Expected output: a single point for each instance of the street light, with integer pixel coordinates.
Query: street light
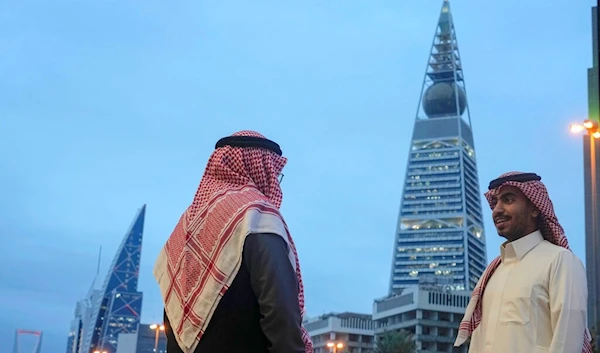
(588, 125)
(335, 346)
(100, 352)
(591, 127)
(156, 328)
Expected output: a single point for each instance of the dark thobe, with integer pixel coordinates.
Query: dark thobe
(259, 313)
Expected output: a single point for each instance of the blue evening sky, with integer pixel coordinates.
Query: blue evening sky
(106, 105)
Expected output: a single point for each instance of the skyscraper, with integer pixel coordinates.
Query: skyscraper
(592, 194)
(116, 307)
(440, 234)
(81, 322)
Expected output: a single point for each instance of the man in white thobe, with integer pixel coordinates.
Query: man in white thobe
(533, 297)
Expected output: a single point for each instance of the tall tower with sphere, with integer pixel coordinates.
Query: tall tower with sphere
(440, 237)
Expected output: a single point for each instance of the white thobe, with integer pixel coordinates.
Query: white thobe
(536, 301)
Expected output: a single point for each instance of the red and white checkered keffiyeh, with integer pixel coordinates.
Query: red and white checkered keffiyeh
(239, 194)
(551, 230)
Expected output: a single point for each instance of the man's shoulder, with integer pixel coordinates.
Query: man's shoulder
(558, 254)
(549, 247)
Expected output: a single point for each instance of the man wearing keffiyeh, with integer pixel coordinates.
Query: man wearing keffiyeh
(533, 297)
(229, 273)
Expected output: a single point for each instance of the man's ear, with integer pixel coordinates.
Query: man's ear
(535, 212)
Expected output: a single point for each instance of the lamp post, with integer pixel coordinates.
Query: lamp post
(592, 251)
(156, 328)
(335, 346)
(591, 127)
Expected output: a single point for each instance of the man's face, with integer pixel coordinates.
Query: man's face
(513, 214)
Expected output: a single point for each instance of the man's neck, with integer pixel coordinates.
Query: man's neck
(516, 249)
(526, 233)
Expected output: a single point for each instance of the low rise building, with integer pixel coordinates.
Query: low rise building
(353, 332)
(148, 339)
(431, 313)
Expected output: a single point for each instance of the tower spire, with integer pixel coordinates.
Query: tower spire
(99, 260)
(443, 93)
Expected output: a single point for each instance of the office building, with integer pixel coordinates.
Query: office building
(591, 182)
(148, 339)
(432, 314)
(353, 332)
(440, 233)
(116, 307)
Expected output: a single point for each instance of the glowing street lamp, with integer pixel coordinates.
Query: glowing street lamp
(157, 328)
(335, 346)
(591, 127)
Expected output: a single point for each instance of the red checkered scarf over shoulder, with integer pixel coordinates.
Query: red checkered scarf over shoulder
(551, 230)
(239, 194)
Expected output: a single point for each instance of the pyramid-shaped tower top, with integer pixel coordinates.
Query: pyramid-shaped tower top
(124, 270)
(444, 93)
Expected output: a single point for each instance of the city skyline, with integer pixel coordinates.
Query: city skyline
(100, 119)
(440, 235)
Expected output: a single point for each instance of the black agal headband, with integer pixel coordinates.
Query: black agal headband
(519, 178)
(249, 141)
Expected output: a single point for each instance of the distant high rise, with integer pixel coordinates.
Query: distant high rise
(81, 322)
(38, 343)
(440, 234)
(116, 307)
(591, 169)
